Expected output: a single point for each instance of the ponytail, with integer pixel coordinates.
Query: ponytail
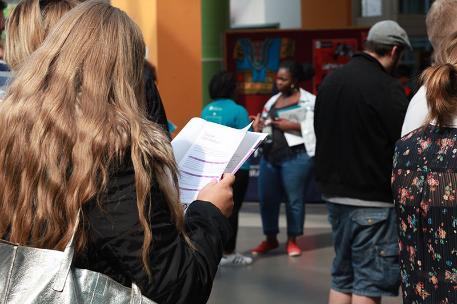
(440, 81)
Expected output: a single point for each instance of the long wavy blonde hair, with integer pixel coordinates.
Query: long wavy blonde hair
(73, 112)
(29, 24)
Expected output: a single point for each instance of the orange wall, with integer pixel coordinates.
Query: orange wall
(319, 14)
(144, 13)
(173, 35)
(179, 40)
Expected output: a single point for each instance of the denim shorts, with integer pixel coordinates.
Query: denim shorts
(366, 259)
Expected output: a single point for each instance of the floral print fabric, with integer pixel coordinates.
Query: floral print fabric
(424, 183)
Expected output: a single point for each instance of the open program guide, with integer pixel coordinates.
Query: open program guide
(205, 151)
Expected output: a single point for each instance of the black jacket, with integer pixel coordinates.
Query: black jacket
(154, 106)
(359, 113)
(179, 274)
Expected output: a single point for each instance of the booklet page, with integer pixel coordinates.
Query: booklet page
(207, 156)
(249, 144)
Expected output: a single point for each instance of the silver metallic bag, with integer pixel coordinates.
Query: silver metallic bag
(31, 275)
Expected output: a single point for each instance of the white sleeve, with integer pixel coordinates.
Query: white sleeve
(307, 125)
(417, 112)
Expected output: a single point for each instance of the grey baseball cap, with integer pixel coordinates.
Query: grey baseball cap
(388, 32)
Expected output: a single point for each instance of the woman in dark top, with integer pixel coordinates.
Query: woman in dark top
(424, 185)
(75, 136)
(286, 163)
(225, 111)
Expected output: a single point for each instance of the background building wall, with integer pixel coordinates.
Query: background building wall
(285, 12)
(215, 21)
(316, 15)
(260, 12)
(144, 13)
(179, 42)
(172, 31)
(247, 12)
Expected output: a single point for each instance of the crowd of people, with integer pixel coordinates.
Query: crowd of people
(390, 200)
(86, 159)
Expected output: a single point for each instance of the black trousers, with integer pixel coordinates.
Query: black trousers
(239, 191)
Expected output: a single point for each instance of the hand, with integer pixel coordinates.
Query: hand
(220, 194)
(257, 123)
(286, 125)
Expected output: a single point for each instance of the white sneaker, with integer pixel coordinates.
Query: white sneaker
(235, 259)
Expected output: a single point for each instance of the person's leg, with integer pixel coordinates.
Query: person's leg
(339, 217)
(365, 300)
(239, 190)
(232, 258)
(270, 195)
(336, 297)
(294, 174)
(375, 255)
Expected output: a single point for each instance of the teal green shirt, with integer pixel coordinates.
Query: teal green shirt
(228, 113)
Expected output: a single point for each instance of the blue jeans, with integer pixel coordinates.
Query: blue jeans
(285, 181)
(366, 259)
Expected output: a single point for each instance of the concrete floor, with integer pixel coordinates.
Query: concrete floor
(275, 277)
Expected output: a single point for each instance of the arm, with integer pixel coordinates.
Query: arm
(286, 125)
(392, 113)
(180, 274)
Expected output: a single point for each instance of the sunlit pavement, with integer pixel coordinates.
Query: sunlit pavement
(275, 277)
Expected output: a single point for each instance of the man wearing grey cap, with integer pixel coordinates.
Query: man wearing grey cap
(358, 117)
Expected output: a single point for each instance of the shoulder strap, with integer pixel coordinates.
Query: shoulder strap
(67, 260)
(136, 297)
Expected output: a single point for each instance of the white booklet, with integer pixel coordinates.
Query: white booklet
(296, 114)
(205, 151)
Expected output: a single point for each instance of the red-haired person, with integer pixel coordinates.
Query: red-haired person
(424, 184)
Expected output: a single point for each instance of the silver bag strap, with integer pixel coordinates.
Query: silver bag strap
(67, 260)
(136, 297)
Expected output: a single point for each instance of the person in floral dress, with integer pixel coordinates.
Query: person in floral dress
(424, 183)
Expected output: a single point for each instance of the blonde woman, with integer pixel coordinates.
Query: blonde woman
(75, 137)
(29, 24)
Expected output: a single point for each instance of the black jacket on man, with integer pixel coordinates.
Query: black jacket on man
(359, 113)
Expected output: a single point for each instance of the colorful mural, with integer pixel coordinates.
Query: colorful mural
(257, 62)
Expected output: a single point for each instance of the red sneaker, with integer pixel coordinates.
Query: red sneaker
(264, 247)
(292, 249)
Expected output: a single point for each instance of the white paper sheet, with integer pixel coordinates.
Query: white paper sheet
(205, 150)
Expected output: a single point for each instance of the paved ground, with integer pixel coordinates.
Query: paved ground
(276, 278)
